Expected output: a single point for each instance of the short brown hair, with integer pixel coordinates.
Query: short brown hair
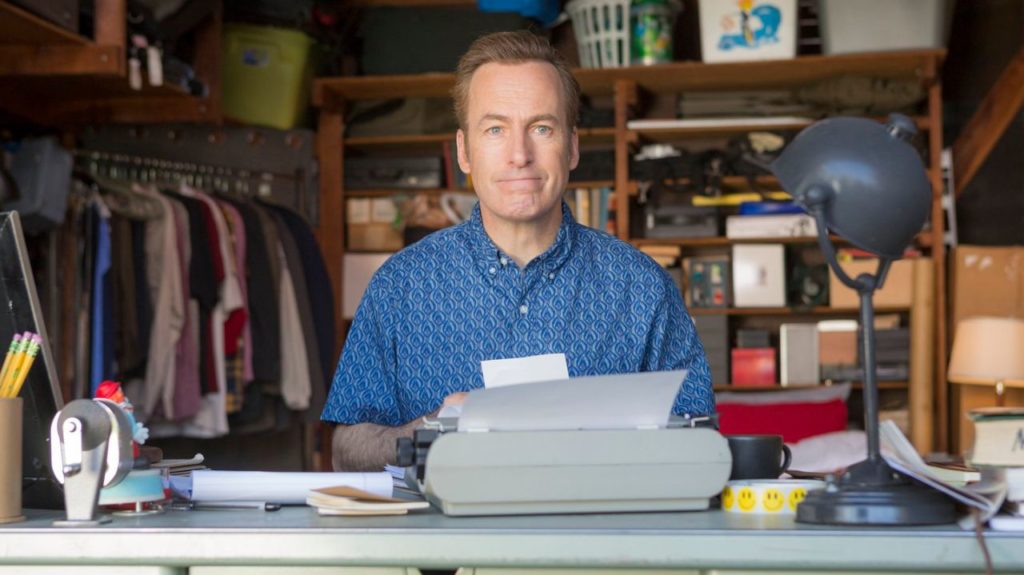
(513, 48)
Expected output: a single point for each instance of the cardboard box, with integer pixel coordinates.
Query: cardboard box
(898, 290)
(986, 281)
(371, 225)
(766, 31)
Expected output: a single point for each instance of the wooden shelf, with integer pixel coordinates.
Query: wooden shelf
(591, 184)
(388, 192)
(671, 77)
(718, 241)
(672, 134)
(922, 239)
(819, 310)
(628, 86)
(587, 136)
(51, 76)
(856, 385)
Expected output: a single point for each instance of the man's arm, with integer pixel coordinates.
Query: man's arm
(368, 446)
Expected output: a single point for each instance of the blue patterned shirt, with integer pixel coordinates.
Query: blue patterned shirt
(438, 308)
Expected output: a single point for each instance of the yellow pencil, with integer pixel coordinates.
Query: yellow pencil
(7, 362)
(19, 356)
(22, 373)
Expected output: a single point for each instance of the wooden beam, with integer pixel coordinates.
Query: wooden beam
(208, 59)
(984, 129)
(330, 230)
(61, 60)
(110, 23)
(137, 110)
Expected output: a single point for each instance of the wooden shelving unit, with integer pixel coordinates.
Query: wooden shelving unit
(819, 310)
(756, 388)
(53, 77)
(927, 386)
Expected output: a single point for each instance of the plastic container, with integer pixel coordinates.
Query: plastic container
(651, 23)
(876, 25)
(602, 32)
(42, 169)
(267, 75)
(765, 31)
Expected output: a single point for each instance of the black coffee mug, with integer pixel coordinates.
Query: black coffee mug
(758, 456)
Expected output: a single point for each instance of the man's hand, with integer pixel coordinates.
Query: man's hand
(457, 398)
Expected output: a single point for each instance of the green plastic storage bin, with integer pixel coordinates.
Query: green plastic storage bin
(267, 75)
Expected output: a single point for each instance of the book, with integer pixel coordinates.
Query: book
(998, 436)
(345, 500)
(954, 473)
(986, 496)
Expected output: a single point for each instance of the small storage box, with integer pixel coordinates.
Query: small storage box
(875, 25)
(267, 75)
(766, 32)
(393, 173)
(759, 275)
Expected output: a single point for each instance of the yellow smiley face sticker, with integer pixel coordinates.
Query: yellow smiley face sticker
(727, 498)
(773, 500)
(746, 499)
(796, 496)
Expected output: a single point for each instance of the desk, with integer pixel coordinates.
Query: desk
(175, 541)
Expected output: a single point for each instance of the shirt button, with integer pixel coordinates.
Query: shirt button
(492, 270)
(504, 261)
(551, 276)
(523, 309)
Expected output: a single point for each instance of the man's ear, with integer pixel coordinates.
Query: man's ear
(574, 150)
(463, 150)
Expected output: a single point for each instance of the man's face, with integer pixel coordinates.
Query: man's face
(517, 143)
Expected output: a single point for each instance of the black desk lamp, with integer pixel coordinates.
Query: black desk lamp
(865, 182)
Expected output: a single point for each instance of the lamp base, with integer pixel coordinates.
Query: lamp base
(871, 493)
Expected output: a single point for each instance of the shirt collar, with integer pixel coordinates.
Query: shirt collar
(485, 253)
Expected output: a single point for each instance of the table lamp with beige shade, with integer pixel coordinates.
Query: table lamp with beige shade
(988, 351)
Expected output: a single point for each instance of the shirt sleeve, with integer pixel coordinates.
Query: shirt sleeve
(363, 389)
(673, 344)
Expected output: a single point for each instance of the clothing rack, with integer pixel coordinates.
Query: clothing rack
(144, 169)
(261, 162)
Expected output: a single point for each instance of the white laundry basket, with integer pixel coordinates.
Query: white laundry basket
(602, 32)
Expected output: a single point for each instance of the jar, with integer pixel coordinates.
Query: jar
(651, 23)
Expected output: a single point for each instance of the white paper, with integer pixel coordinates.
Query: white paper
(624, 401)
(502, 372)
(279, 486)
(986, 496)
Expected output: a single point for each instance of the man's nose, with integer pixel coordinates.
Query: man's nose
(521, 154)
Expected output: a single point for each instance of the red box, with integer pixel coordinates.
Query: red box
(753, 366)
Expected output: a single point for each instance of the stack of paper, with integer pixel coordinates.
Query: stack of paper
(344, 500)
(182, 466)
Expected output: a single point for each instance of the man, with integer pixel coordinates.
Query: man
(520, 278)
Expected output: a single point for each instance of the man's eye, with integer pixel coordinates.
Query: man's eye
(493, 130)
(544, 130)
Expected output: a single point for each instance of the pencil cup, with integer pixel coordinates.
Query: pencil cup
(10, 460)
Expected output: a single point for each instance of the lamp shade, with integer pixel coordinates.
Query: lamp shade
(872, 184)
(987, 350)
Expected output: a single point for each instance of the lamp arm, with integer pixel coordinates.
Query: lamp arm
(861, 282)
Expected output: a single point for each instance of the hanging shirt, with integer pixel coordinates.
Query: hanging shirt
(435, 310)
(101, 366)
